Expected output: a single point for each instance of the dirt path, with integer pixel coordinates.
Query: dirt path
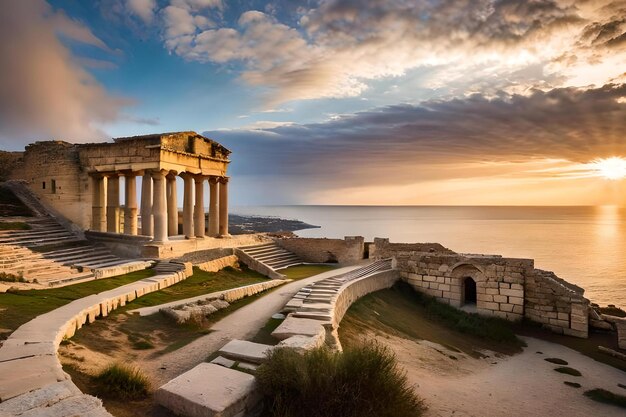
(517, 386)
(241, 324)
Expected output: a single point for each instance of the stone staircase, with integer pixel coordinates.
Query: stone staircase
(272, 255)
(49, 254)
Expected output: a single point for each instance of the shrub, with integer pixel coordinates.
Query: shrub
(359, 382)
(6, 277)
(567, 370)
(122, 382)
(607, 397)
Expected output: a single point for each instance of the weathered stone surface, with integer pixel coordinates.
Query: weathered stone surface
(293, 326)
(222, 361)
(43, 397)
(246, 351)
(209, 390)
(302, 343)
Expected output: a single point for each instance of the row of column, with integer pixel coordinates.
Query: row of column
(159, 208)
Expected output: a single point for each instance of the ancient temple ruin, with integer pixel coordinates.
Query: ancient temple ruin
(84, 183)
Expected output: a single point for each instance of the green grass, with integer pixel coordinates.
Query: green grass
(572, 384)
(361, 381)
(264, 335)
(199, 283)
(403, 312)
(607, 397)
(14, 226)
(568, 371)
(122, 382)
(305, 271)
(557, 361)
(19, 307)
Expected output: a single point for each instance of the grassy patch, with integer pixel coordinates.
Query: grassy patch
(122, 382)
(603, 396)
(199, 283)
(403, 312)
(6, 277)
(14, 226)
(556, 361)
(19, 307)
(264, 335)
(305, 271)
(572, 384)
(361, 381)
(568, 371)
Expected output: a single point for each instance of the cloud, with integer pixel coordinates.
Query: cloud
(44, 91)
(436, 140)
(338, 46)
(143, 8)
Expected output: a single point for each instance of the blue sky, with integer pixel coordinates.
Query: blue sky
(337, 101)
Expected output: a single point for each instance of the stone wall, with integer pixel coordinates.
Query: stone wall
(508, 288)
(349, 250)
(557, 304)
(52, 171)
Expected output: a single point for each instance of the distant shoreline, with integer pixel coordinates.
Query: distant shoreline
(246, 224)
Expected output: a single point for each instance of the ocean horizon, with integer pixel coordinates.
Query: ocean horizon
(585, 245)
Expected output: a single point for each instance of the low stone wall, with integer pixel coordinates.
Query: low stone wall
(207, 255)
(509, 288)
(347, 251)
(178, 248)
(218, 264)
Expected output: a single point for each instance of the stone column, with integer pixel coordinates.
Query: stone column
(147, 224)
(159, 207)
(172, 205)
(98, 209)
(214, 220)
(188, 206)
(113, 203)
(130, 209)
(224, 207)
(198, 210)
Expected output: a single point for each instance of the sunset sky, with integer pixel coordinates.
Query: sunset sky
(469, 102)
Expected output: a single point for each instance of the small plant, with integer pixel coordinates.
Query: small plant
(6, 277)
(362, 381)
(603, 396)
(567, 370)
(556, 361)
(572, 384)
(142, 345)
(123, 382)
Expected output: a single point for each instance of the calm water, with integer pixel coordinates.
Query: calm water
(584, 245)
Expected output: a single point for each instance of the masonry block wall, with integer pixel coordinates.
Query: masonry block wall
(508, 288)
(52, 171)
(349, 250)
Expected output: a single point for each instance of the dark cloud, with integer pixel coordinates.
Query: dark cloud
(402, 143)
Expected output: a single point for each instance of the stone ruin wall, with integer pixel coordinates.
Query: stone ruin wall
(70, 193)
(349, 250)
(508, 288)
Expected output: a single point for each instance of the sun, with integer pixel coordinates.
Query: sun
(610, 168)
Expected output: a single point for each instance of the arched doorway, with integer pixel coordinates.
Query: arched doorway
(469, 291)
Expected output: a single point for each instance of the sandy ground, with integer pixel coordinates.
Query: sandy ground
(501, 386)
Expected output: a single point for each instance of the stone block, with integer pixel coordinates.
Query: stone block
(430, 278)
(512, 293)
(489, 306)
(492, 291)
(517, 309)
(246, 351)
(500, 298)
(302, 343)
(43, 397)
(563, 316)
(209, 390)
(484, 297)
(516, 300)
(444, 287)
(506, 307)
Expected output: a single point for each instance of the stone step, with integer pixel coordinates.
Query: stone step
(273, 254)
(242, 350)
(73, 251)
(285, 264)
(76, 279)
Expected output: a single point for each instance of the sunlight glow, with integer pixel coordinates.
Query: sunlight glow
(610, 168)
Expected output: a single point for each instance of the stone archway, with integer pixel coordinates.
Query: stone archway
(468, 291)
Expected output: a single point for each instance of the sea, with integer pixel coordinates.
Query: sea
(583, 245)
